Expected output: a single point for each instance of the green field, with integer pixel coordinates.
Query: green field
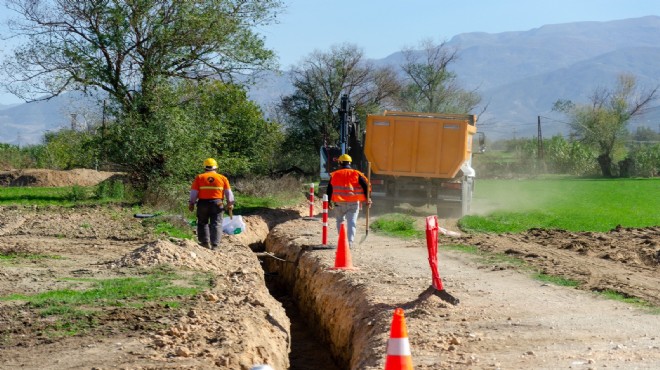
(563, 203)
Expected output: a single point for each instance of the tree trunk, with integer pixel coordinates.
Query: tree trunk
(605, 163)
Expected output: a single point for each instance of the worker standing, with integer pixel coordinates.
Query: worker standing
(346, 189)
(210, 190)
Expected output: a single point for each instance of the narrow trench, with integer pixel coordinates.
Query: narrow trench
(307, 350)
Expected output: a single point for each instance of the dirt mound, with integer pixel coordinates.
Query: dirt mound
(625, 260)
(54, 178)
(177, 253)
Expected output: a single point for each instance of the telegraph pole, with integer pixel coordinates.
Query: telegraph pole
(540, 140)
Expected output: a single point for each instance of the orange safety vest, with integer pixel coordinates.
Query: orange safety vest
(210, 185)
(346, 186)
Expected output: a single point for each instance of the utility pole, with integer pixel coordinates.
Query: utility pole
(74, 123)
(540, 140)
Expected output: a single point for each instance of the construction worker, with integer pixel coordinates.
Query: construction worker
(210, 190)
(346, 189)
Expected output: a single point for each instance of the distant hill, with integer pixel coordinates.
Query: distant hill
(519, 75)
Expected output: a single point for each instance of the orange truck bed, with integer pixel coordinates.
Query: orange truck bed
(428, 145)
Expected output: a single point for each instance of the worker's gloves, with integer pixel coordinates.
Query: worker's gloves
(230, 207)
(331, 205)
(369, 202)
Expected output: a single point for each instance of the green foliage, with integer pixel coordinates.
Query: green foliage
(568, 157)
(66, 150)
(113, 189)
(397, 224)
(567, 204)
(431, 85)
(190, 123)
(311, 111)
(519, 158)
(125, 48)
(11, 156)
(78, 193)
(602, 123)
(643, 159)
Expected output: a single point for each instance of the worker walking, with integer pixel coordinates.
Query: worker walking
(210, 190)
(346, 189)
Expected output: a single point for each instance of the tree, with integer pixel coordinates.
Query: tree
(430, 85)
(192, 121)
(126, 48)
(602, 124)
(319, 82)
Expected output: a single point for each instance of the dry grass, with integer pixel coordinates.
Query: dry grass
(261, 187)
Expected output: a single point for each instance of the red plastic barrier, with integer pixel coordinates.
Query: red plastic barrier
(432, 246)
(325, 220)
(311, 201)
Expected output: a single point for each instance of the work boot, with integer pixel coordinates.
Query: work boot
(204, 245)
(214, 246)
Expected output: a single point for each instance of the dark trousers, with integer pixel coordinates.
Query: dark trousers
(209, 221)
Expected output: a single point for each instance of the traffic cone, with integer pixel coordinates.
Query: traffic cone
(398, 347)
(343, 260)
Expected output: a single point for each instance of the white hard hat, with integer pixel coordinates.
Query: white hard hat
(261, 367)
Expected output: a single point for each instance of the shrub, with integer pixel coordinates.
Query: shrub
(113, 189)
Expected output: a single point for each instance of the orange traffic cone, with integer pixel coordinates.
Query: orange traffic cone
(343, 260)
(398, 347)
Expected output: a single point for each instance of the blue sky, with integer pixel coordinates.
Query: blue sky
(382, 27)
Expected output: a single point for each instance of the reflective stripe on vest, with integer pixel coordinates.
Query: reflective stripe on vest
(346, 186)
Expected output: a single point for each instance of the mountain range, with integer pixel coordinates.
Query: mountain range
(518, 74)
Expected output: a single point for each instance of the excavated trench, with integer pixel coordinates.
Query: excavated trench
(332, 322)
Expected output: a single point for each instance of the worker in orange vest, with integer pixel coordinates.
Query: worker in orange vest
(210, 190)
(346, 189)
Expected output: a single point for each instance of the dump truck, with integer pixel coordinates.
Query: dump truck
(420, 159)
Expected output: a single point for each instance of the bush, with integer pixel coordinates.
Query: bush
(77, 193)
(642, 161)
(113, 189)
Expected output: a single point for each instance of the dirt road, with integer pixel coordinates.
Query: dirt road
(504, 319)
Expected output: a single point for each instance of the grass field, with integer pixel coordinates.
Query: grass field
(563, 203)
(498, 205)
(62, 196)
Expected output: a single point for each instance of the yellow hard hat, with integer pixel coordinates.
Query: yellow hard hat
(345, 158)
(210, 162)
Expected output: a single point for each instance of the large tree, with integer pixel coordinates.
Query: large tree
(127, 47)
(311, 111)
(430, 85)
(603, 122)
